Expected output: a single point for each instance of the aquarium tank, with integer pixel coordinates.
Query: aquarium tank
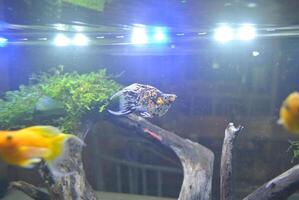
(149, 99)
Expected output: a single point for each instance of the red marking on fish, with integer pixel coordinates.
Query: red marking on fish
(153, 134)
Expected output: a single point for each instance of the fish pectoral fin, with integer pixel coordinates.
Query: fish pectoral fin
(30, 163)
(146, 115)
(121, 112)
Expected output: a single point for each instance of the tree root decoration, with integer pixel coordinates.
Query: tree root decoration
(231, 132)
(30, 190)
(74, 185)
(197, 160)
(279, 188)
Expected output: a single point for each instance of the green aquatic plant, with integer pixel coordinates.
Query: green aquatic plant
(79, 95)
(294, 148)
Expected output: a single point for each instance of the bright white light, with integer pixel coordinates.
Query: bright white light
(3, 41)
(255, 53)
(80, 40)
(139, 35)
(60, 27)
(246, 32)
(224, 34)
(78, 28)
(251, 5)
(61, 40)
(160, 34)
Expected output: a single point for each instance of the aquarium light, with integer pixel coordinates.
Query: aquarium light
(3, 41)
(42, 39)
(246, 32)
(78, 28)
(160, 35)
(61, 27)
(139, 35)
(61, 40)
(80, 40)
(255, 53)
(224, 33)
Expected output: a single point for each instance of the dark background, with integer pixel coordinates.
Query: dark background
(215, 84)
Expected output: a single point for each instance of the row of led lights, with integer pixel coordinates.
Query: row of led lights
(60, 40)
(144, 35)
(141, 35)
(78, 40)
(224, 33)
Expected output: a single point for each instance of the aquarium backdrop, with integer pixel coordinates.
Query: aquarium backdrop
(227, 61)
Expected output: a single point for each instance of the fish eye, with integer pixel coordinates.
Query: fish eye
(9, 137)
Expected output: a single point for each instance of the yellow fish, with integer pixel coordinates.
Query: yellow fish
(289, 113)
(27, 147)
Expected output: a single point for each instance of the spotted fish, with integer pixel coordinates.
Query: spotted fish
(146, 100)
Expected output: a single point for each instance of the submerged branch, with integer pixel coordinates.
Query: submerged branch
(30, 190)
(279, 188)
(86, 128)
(73, 185)
(231, 133)
(197, 160)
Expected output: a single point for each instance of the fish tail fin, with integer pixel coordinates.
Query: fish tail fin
(124, 106)
(119, 113)
(280, 121)
(59, 152)
(117, 94)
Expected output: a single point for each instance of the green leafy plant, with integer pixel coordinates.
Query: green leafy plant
(294, 148)
(79, 95)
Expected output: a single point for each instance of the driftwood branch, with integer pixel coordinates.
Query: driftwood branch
(197, 160)
(231, 133)
(73, 186)
(30, 190)
(279, 188)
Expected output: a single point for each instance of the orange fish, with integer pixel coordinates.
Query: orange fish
(27, 147)
(289, 113)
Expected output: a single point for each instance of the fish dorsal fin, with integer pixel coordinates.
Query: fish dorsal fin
(60, 152)
(46, 131)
